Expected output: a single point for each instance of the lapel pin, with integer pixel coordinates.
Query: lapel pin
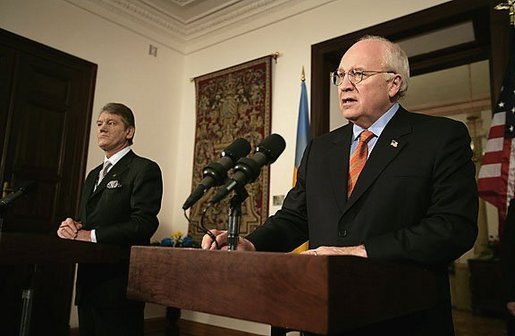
(394, 143)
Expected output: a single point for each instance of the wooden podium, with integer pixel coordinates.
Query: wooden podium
(22, 248)
(320, 294)
(36, 280)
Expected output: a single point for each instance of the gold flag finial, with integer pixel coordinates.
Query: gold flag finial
(510, 6)
(275, 55)
(303, 76)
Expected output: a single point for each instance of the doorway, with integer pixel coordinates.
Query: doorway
(46, 99)
(482, 47)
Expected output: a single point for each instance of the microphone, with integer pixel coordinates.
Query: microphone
(247, 169)
(215, 173)
(20, 191)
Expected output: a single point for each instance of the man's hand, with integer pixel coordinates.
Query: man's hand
(70, 229)
(359, 251)
(84, 235)
(221, 239)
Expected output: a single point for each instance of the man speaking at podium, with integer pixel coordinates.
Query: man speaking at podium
(120, 202)
(390, 185)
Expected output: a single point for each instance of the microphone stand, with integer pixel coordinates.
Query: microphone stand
(27, 294)
(234, 221)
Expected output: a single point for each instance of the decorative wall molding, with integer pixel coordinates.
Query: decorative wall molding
(213, 25)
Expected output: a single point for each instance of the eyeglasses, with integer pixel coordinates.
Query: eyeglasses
(355, 76)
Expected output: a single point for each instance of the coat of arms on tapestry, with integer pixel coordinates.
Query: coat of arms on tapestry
(230, 104)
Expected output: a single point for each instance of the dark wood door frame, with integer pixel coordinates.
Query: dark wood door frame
(46, 100)
(491, 29)
(78, 98)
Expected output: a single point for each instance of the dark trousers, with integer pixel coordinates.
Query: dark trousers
(126, 320)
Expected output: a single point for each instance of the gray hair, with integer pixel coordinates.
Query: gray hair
(395, 59)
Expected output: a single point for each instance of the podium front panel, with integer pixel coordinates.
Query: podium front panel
(320, 294)
(24, 248)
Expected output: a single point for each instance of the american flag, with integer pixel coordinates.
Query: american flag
(496, 181)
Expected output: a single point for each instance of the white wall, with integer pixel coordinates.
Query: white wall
(162, 96)
(126, 73)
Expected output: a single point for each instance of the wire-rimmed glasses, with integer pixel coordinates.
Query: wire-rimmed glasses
(355, 76)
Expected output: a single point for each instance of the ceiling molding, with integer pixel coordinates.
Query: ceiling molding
(198, 28)
(196, 9)
(182, 2)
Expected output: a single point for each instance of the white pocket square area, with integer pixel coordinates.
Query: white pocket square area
(114, 184)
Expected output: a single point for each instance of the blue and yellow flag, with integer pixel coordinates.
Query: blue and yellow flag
(302, 138)
(302, 126)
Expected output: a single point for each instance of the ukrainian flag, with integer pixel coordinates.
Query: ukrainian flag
(302, 126)
(302, 138)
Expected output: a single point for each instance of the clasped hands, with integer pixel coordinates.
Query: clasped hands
(246, 245)
(71, 229)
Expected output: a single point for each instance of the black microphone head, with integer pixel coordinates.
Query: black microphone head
(272, 147)
(238, 149)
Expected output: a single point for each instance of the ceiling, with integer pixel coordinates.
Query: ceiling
(190, 25)
(191, 11)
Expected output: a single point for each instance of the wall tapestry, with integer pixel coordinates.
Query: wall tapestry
(230, 104)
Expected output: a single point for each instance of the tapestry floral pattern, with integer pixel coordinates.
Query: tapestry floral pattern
(230, 104)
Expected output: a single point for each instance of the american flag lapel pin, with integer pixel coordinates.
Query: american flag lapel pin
(394, 143)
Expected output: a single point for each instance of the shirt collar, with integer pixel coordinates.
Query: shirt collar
(378, 127)
(117, 157)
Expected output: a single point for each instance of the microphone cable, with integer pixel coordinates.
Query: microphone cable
(201, 225)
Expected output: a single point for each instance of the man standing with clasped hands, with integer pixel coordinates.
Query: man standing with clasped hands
(120, 202)
(390, 185)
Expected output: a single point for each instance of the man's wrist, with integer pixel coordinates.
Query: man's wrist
(363, 250)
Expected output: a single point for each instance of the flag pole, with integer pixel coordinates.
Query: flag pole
(303, 133)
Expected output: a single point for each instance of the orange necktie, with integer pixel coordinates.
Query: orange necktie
(358, 159)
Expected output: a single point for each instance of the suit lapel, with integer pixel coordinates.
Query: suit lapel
(118, 169)
(90, 182)
(388, 146)
(338, 163)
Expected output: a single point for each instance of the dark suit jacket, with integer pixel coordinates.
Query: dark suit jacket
(123, 211)
(415, 201)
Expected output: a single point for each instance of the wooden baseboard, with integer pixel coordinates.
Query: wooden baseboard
(157, 326)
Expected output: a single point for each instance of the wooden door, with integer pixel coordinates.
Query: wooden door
(45, 115)
(491, 41)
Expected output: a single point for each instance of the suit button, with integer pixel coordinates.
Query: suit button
(342, 233)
